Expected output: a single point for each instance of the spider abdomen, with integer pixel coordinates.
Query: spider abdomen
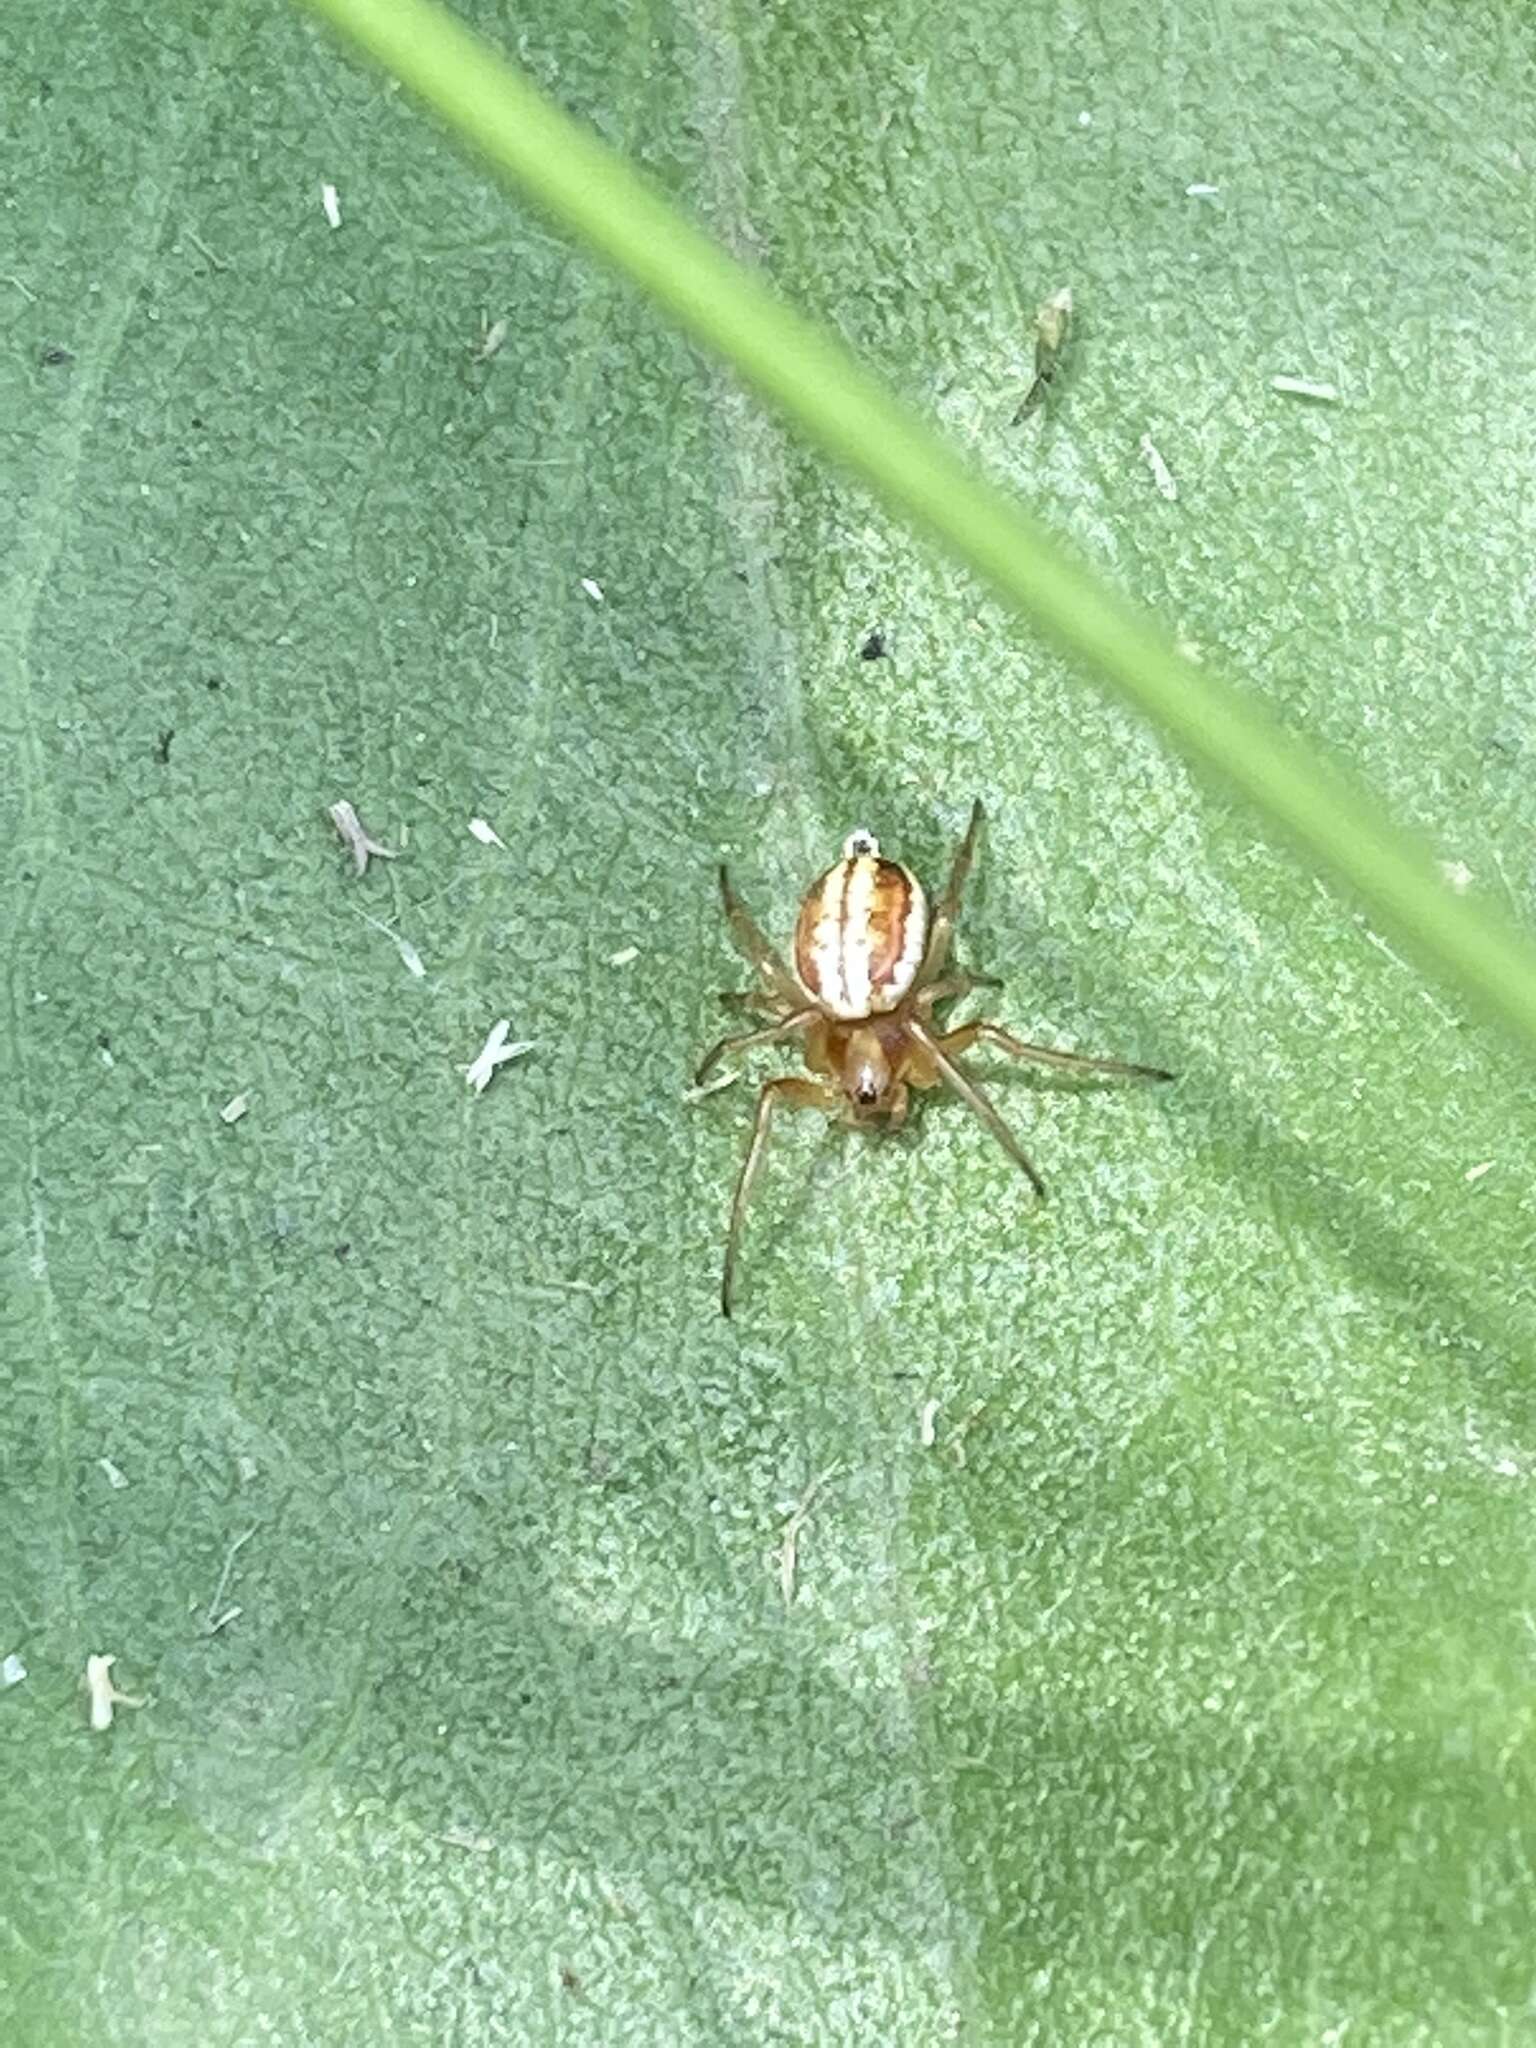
(861, 932)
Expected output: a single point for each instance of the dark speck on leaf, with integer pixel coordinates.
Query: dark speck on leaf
(873, 647)
(163, 746)
(54, 357)
(103, 1039)
(343, 1250)
(570, 1980)
(215, 682)
(198, 424)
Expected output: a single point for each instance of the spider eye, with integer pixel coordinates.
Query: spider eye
(860, 842)
(866, 1090)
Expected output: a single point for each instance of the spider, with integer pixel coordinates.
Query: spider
(870, 965)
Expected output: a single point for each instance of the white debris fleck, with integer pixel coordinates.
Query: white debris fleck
(495, 1053)
(1201, 191)
(1475, 1173)
(1457, 874)
(486, 833)
(235, 1108)
(1304, 387)
(925, 1423)
(104, 1694)
(466, 1838)
(403, 947)
(12, 1671)
(789, 1543)
(116, 1477)
(351, 828)
(624, 957)
(213, 1621)
(490, 341)
(963, 1428)
(106, 1056)
(331, 201)
(1162, 475)
(593, 588)
(1085, 119)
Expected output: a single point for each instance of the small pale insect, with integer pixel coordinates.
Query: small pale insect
(1052, 324)
(871, 964)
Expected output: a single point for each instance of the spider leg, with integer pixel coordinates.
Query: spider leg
(1046, 1056)
(955, 985)
(974, 1099)
(947, 910)
(739, 1041)
(794, 1094)
(751, 1002)
(748, 936)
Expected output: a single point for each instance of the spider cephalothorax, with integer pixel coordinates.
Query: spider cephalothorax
(869, 967)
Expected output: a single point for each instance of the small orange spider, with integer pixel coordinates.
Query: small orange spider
(869, 968)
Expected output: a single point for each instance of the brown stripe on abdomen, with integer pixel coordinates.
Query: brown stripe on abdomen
(818, 960)
(860, 935)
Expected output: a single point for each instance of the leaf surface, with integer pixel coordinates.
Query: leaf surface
(1180, 1688)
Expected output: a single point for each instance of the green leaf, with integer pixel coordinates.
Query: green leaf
(595, 191)
(1181, 1686)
